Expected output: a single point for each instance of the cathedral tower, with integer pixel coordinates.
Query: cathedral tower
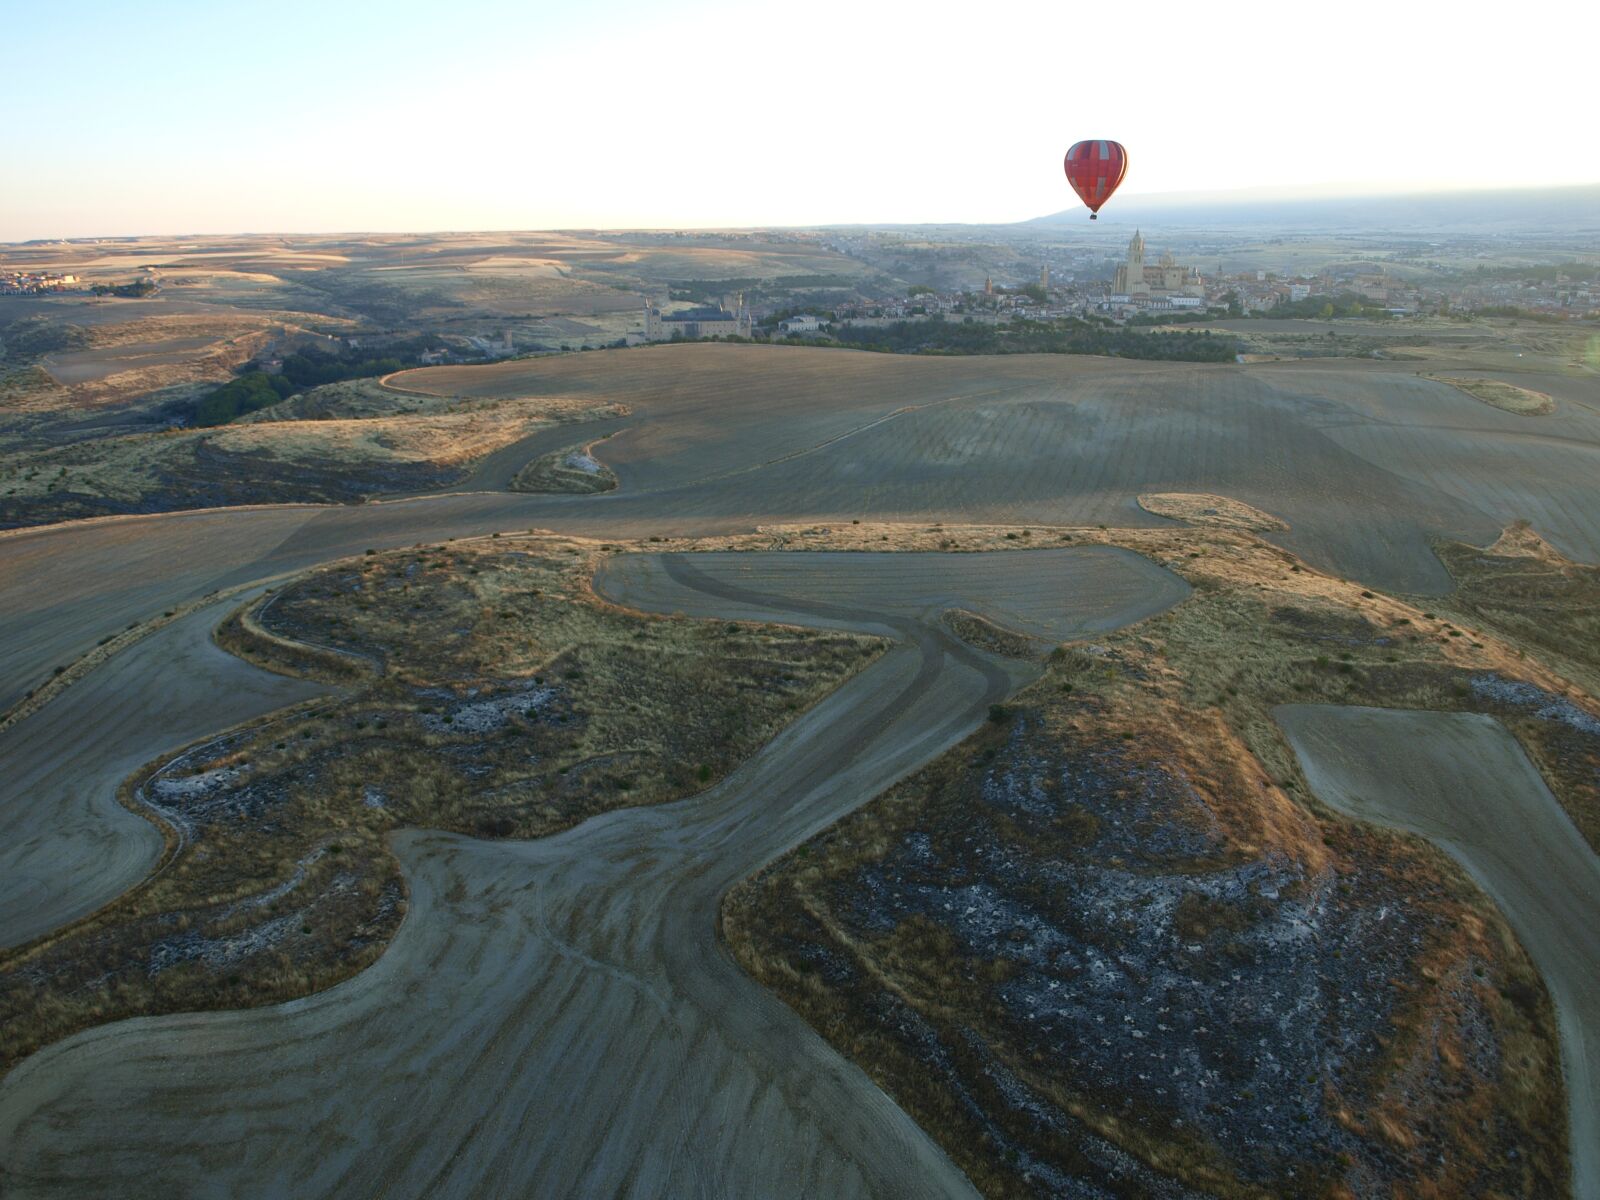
(1130, 275)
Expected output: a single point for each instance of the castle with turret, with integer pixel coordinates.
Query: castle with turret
(706, 321)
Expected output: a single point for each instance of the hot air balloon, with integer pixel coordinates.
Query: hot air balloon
(1094, 169)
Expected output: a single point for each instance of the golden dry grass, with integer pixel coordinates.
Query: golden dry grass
(1219, 512)
(1506, 396)
(387, 433)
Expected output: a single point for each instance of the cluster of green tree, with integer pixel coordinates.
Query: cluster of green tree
(310, 368)
(1070, 336)
(246, 394)
(1521, 314)
(1187, 316)
(1586, 272)
(255, 389)
(131, 291)
(1345, 304)
(702, 290)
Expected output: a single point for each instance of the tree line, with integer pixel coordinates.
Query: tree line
(255, 389)
(1070, 336)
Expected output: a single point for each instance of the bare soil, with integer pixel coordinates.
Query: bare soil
(488, 691)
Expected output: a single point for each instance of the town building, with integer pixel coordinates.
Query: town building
(802, 323)
(706, 321)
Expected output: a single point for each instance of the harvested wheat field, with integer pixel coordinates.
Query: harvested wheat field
(577, 921)
(1364, 466)
(876, 792)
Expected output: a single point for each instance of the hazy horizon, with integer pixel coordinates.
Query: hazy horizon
(1146, 205)
(178, 120)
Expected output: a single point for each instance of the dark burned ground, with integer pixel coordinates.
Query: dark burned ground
(489, 693)
(206, 476)
(1101, 950)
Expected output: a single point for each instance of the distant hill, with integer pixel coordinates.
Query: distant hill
(1549, 209)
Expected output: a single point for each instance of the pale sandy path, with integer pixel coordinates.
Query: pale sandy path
(1462, 781)
(557, 1017)
(67, 846)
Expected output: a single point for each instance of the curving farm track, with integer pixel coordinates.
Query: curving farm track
(536, 1020)
(69, 845)
(556, 1017)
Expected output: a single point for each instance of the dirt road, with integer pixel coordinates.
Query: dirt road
(66, 845)
(1461, 780)
(557, 1017)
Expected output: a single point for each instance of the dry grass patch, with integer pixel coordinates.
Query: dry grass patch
(390, 443)
(1528, 592)
(977, 630)
(1507, 396)
(1219, 512)
(445, 440)
(574, 469)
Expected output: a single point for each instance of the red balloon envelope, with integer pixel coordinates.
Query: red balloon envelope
(1094, 169)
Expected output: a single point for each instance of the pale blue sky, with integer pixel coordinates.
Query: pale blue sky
(168, 117)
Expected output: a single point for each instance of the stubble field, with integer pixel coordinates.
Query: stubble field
(984, 938)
